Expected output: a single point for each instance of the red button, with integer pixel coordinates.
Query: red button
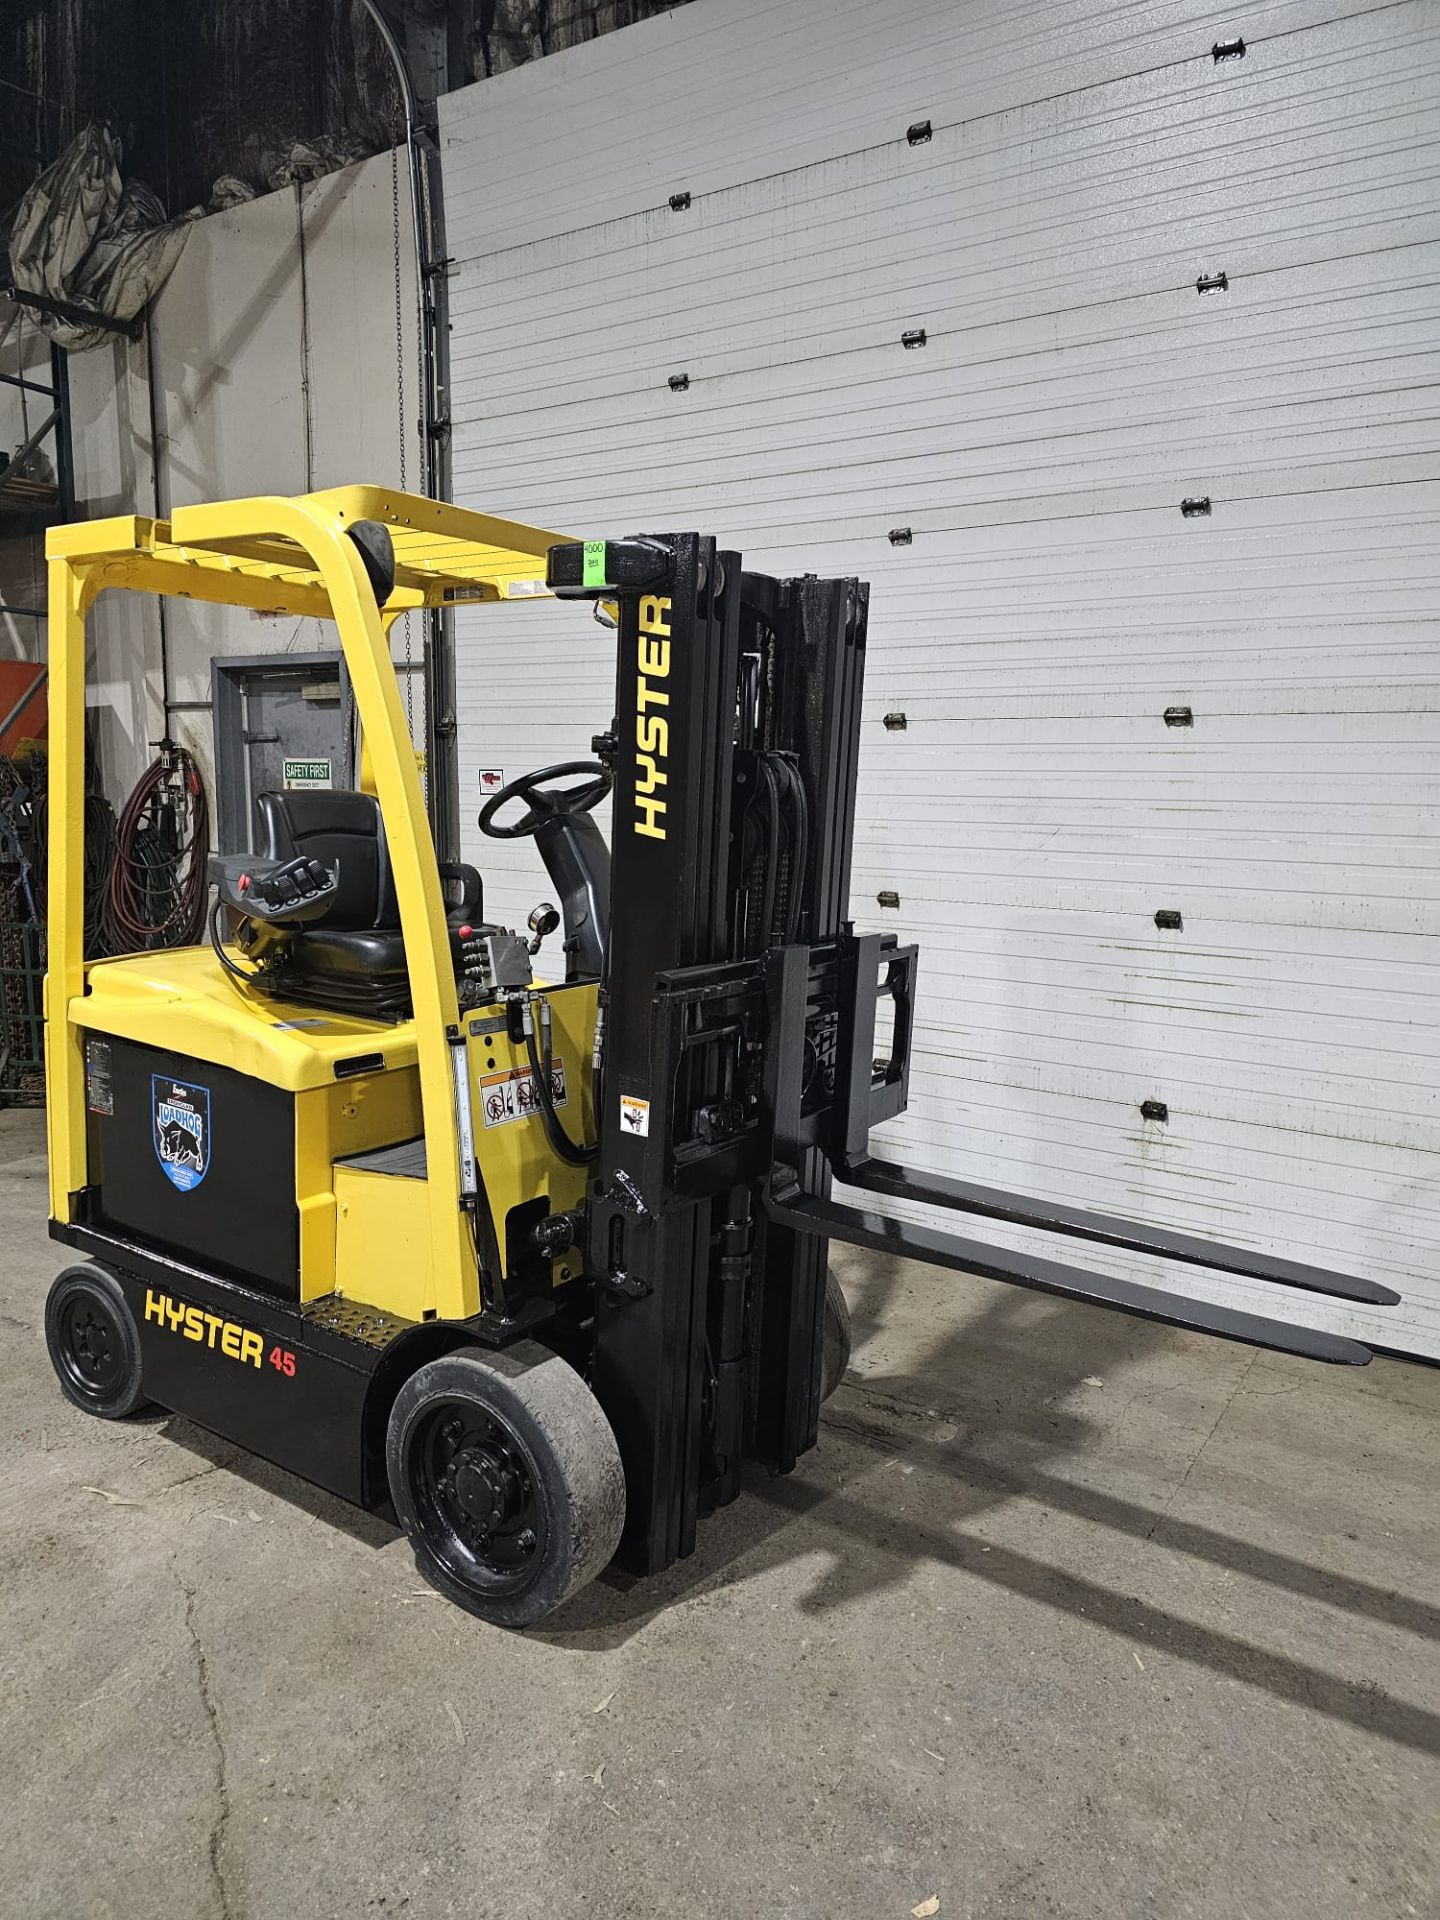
(244, 883)
(464, 932)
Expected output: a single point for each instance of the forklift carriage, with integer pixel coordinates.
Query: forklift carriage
(543, 1262)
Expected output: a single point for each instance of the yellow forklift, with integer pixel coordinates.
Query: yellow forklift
(537, 1257)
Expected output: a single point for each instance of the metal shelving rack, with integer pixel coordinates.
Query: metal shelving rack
(28, 505)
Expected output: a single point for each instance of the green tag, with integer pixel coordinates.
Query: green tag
(594, 573)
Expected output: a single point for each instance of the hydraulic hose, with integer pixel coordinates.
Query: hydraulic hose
(555, 1133)
(245, 975)
(158, 885)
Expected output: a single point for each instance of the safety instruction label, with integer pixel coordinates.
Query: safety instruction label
(511, 1095)
(306, 773)
(634, 1114)
(491, 779)
(99, 1089)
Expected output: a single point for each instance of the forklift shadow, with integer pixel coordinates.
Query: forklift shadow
(988, 1378)
(377, 1529)
(984, 1414)
(1002, 1381)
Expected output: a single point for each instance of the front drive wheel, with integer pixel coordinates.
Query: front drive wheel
(94, 1347)
(507, 1480)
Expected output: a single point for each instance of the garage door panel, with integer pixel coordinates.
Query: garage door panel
(776, 281)
(989, 480)
(773, 336)
(1007, 1138)
(1007, 1135)
(1033, 891)
(856, 543)
(973, 406)
(1184, 1057)
(1317, 318)
(1368, 886)
(993, 988)
(1319, 1109)
(1165, 449)
(932, 401)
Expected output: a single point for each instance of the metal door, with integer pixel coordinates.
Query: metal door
(281, 720)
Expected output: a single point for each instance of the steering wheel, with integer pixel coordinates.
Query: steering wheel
(544, 805)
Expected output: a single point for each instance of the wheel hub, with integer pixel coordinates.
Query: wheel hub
(94, 1357)
(485, 1489)
(483, 1493)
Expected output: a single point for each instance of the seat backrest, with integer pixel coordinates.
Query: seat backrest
(342, 830)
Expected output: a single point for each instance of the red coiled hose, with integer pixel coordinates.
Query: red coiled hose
(158, 885)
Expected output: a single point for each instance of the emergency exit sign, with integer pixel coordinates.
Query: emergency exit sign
(307, 773)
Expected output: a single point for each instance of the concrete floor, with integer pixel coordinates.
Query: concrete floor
(1066, 1616)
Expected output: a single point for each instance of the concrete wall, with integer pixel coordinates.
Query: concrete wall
(276, 367)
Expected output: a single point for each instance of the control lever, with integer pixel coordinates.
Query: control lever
(493, 960)
(278, 892)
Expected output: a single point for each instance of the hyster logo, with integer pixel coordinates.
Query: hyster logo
(235, 1342)
(652, 730)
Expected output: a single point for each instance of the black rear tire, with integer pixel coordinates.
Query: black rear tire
(507, 1480)
(94, 1344)
(835, 1342)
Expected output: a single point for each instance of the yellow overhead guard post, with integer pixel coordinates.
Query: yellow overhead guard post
(283, 555)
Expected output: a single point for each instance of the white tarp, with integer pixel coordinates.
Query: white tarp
(82, 234)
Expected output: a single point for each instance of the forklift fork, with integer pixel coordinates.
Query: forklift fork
(868, 1091)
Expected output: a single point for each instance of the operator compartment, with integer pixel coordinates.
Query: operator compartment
(298, 1168)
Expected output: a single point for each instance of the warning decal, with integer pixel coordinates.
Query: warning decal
(511, 1095)
(634, 1114)
(99, 1091)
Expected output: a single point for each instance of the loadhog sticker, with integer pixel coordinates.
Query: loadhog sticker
(511, 1095)
(180, 1130)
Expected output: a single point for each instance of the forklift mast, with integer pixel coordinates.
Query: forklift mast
(740, 1070)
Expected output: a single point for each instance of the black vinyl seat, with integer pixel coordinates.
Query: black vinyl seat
(354, 959)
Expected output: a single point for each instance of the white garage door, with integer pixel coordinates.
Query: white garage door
(1150, 517)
